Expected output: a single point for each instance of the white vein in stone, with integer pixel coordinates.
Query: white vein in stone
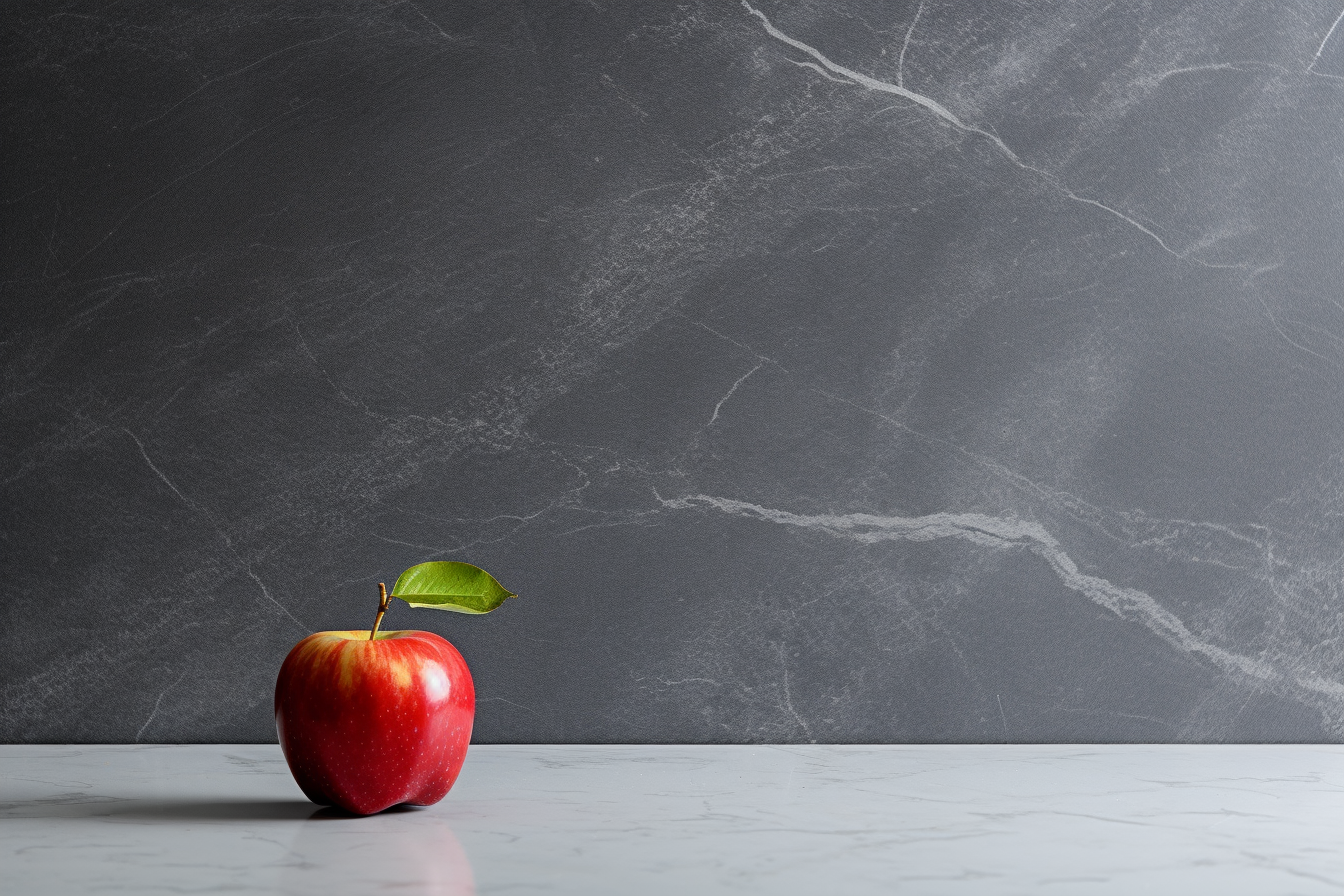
(998, 533)
(437, 27)
(883, 86)
(788, 695)
(905, 45)
(251, 65)
(266, 591)
(155, 711)
(219, 530)
(948, 116)
(1324, 686)
(1278, 328)
(177, 180)
(740, 380)
(1238, 65)
(1191, 69)
(157, 472)
(812, 66)
(1311, 67)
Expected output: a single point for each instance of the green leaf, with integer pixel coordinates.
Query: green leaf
(449, 585)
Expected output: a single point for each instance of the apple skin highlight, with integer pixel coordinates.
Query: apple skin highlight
(369, 724)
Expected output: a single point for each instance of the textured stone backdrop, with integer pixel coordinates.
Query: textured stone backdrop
(815, 371)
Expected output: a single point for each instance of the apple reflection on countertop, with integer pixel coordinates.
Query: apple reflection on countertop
(405, 850)
(689, 819)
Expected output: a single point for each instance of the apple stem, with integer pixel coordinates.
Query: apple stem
(383, 601)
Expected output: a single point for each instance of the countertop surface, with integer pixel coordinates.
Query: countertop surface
(689, 819)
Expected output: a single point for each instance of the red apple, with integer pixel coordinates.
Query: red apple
(367, 724)
(371, 720)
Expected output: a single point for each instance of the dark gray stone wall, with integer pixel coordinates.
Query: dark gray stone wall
(815, 371)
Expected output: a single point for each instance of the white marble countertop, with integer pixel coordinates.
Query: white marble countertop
(678, 820)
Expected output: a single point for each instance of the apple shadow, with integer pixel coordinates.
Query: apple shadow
(336, 813)
(220, 810)
(84, 806)
(76, 806)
